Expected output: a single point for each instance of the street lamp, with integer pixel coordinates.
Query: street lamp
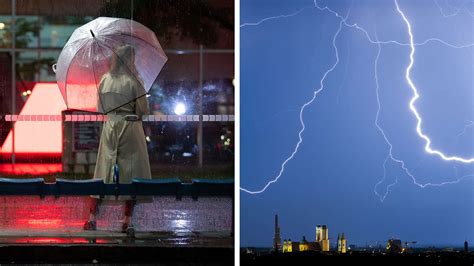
(180, 108)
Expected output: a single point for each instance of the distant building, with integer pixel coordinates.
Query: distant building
(309, 246)
(341, 244)
(290, 246)
(466, 246)
(321, 243)
(304, 245)
(322, 237)
(394, 246)
(276, 238)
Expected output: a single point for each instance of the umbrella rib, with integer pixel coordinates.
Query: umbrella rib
(125, 103)
(107, 36)
(135, 37)
(95, 79)
(68, 43)
(131, 72)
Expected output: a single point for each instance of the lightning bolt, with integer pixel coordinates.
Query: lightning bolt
(416, 96)
(390, 155)
(303, 107)
(272, 18)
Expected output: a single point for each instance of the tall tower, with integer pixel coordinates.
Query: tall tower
(319, 235)
(322, 236)
(276, 238)
(338, 243)
(341, 244)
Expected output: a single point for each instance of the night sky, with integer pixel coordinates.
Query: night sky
(332, 178)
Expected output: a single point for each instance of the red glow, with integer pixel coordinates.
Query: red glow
(31, 168)
(34, 137)
(51, 240)
(45, 215)
(44, 222)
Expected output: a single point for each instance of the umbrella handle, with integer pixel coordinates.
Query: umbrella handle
(116, 174)
(54, 67)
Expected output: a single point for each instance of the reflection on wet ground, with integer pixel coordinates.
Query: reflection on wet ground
(163, 221)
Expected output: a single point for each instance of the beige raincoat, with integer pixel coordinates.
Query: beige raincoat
(122, 142)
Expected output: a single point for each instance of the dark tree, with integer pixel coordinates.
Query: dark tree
(194, 19)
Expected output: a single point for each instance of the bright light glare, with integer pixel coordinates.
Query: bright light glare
(180, 109)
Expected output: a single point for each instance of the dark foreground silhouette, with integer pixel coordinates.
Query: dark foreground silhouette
(359, 258)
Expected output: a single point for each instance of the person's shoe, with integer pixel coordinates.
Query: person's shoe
(124, 227)
(90, 226)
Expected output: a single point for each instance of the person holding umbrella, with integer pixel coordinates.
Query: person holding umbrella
(122, 151)
(108, 66)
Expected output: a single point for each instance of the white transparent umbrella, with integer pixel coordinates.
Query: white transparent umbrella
(108, 47)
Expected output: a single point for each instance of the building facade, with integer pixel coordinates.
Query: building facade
(322, 237)
(341, 244)
(290, 246)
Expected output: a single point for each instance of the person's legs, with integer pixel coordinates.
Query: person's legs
(91, 222)
(129, 206)
(94, 208)
(127, 226)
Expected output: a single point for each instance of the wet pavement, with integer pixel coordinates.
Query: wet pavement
(162, 222)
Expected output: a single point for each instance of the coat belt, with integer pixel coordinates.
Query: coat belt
(124, 116)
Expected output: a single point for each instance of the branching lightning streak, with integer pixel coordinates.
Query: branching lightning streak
(415, 97)
(455, 13)
(412, 45)
(468, 125)
(382, 132)
(387, 189)
(272, 18)
(458, 10)
(390, 154)
(327, 9)
(303, 107)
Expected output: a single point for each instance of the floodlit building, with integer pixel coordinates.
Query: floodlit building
(322, 237)
(341, 244)
(290, 246)
(304, 245)
(320, 244)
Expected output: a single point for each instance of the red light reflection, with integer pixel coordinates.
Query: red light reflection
(58, 240)
(32, 214)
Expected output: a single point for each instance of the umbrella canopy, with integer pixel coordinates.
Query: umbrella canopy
(108, 47)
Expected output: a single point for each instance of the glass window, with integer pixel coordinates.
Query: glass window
(191, 102)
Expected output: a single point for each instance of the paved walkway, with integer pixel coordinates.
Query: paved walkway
(30, 216)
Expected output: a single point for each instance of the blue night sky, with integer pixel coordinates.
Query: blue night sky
(332, 178)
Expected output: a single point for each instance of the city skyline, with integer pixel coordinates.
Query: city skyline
(337, 141)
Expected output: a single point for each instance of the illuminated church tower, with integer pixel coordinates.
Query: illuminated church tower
(322, 237)
(276, 238)
(341, 244)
